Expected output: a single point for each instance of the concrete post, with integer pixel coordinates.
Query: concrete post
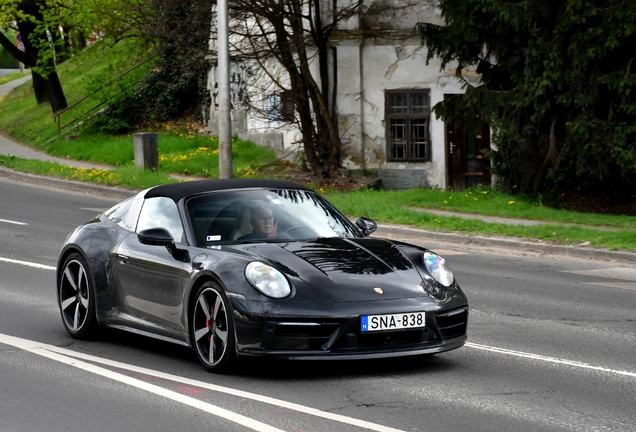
(146, 151)
(223, 79)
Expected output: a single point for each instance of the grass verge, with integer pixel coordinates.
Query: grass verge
(484, 201)
(180, 152)
(405, 208)
(126, 176)
(396, 207)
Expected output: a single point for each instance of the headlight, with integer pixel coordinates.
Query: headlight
(438, 268)
(267, 280)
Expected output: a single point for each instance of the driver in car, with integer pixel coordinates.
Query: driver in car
(264, 224)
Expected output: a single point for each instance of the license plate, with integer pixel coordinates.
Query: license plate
(369, 323)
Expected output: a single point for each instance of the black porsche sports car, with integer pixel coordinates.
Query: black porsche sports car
(240, 268)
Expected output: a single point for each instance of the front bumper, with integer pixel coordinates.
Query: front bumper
(337, 335)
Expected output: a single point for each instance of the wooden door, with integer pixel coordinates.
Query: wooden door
(466, 164)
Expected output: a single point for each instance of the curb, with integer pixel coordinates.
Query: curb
(478, 240)
(77, 186)
(509, 243)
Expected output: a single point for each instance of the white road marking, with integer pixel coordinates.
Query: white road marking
(69, 357)
(13, 222)
(27, 263)
(550, 359)
(42, 350)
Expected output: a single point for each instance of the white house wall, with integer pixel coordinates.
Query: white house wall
(365, 68)
(361, 110)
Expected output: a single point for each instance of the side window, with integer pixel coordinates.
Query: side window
(407, 121)
(117, 214)
(161, 213)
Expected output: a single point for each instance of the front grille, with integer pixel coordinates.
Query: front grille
(298, 335)
(453, 323)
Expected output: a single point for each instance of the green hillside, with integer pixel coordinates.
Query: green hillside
(86, 75)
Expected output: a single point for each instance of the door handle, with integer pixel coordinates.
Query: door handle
(123, 259)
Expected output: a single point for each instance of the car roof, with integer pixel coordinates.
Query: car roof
(176, 191)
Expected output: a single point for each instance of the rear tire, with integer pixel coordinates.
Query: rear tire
(212, 328)
(76, 299)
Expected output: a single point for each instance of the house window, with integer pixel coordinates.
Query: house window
(272, 108)
(408, 116)
(280, 107)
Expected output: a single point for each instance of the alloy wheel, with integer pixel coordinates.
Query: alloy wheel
(75, 297)
(212, 329)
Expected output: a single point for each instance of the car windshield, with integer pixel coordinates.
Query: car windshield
(258, 215)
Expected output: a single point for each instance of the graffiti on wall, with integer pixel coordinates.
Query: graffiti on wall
(238, 87)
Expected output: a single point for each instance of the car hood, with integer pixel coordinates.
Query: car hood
(346, 270)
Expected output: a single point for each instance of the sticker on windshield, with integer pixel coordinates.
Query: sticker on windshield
(213, 238)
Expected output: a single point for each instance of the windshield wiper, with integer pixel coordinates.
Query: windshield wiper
(268, 240)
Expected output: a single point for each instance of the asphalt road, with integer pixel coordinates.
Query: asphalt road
(552, 347)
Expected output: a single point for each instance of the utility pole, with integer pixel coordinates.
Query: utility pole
(223, 79)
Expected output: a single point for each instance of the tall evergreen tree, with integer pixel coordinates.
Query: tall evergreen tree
(557, 85)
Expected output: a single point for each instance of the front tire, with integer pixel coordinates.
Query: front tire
(212, 328)
(75, 298)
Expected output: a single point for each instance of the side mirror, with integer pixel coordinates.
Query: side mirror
(366, 225)
(157, 237)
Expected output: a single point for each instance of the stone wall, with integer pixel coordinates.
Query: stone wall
(403, 178)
